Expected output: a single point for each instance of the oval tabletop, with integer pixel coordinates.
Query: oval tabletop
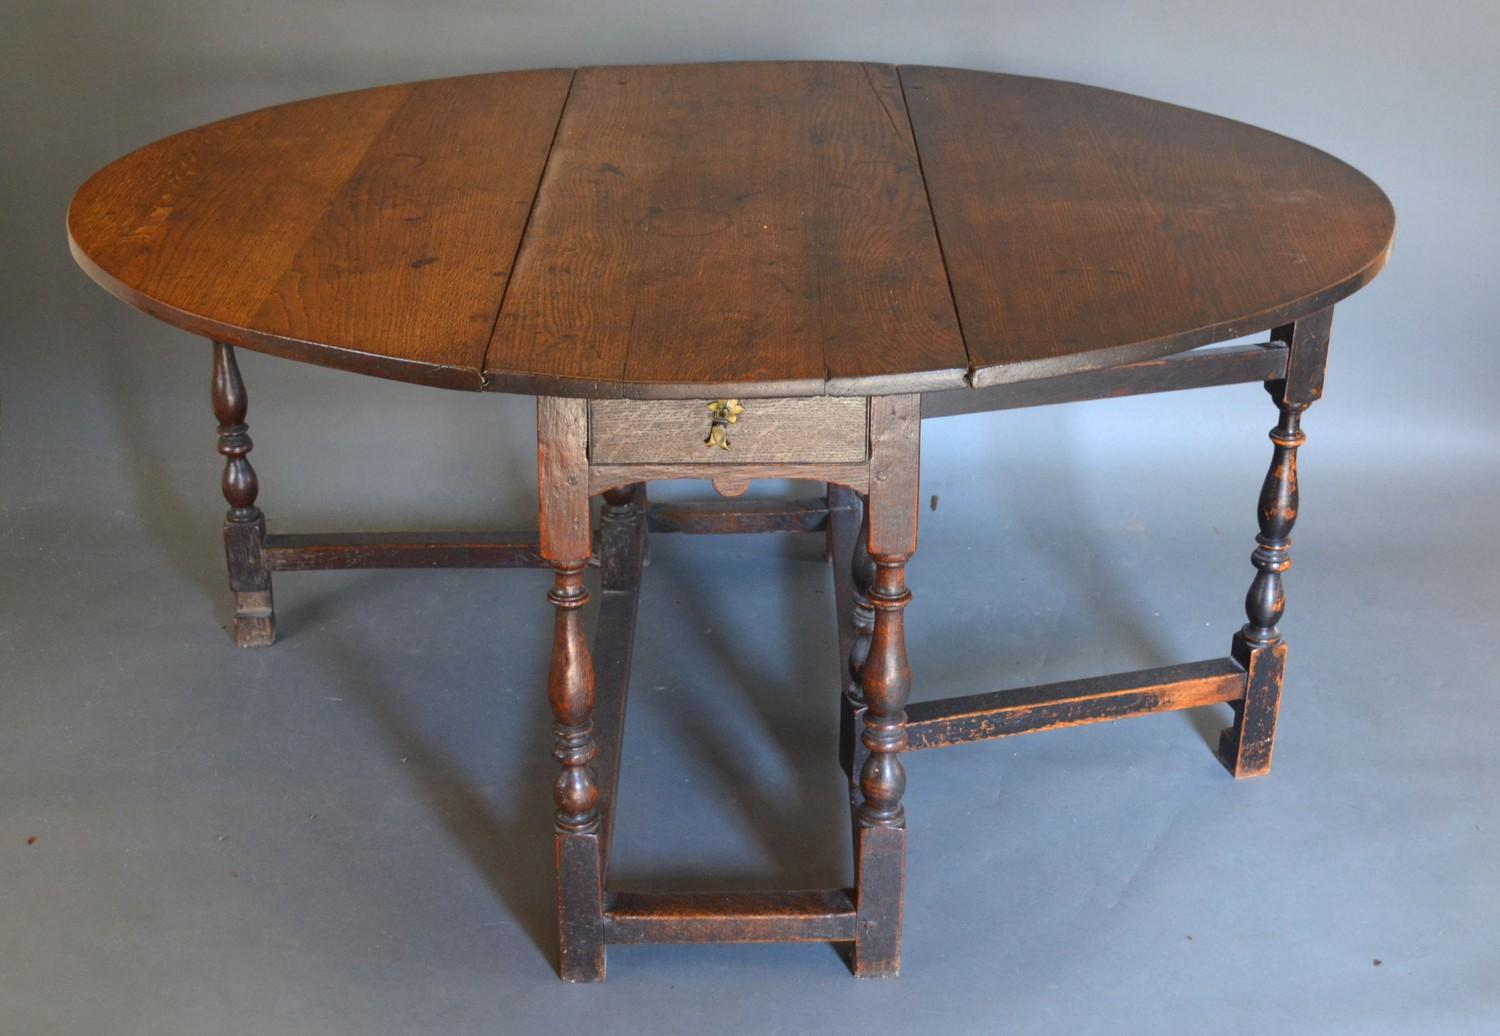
(799, 228)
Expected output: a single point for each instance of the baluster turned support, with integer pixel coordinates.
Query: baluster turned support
(570, 692)
(889, 534)
(1246, 747)
(885, 680)
(244, 524)
(562, 473)
(862, 619)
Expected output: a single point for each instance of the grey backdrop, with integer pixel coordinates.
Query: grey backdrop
(349, 832)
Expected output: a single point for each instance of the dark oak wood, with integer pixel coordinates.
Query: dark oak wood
(372, 231)
(570, 689)
(580, 906)
(860, 573)
(741, 230)
(563, 511)
(982, 717)
(1201, 368)
(602, 477)
(1084, 228)
(880, 890)
(752, 224)
(824, 429)
(244, 524)
(737, 517)
(853, 617)
(840, 249)
(622, 553)
(821, 915)
(884, 685)
(1307, 344)
(305, 552)
(1246, 747)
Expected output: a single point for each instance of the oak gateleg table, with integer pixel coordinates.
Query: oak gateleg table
(750, 271)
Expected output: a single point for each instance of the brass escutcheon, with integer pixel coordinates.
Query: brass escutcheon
(723, 413)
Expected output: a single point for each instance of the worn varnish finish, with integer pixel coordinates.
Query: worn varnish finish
(1085, 228)
(373, 231)
(1201, 368)
(562, 471)
(414, 252)
(884, 684)
(739, 224)
(622, 553)
(751, 230)
(826, 429)
(854, 474)
(1245, 748)
(981, 717)
(743, 517)
(820, 915)
(306, 552)
(849, 555)
(808, 239)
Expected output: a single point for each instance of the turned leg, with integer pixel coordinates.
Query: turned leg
(862, 620)
(880, 836)
(562, 470)
(244, 525)
(884, 683)
(575, 794)
(1245, 748)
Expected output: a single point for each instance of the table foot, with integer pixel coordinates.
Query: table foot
(880, 891)
(580, 906)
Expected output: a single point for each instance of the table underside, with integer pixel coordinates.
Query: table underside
(869, 516)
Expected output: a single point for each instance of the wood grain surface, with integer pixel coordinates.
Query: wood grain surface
(1084, 227)
(371, 231)
(717, 225)
(747, 229)
(672, 431)
(412, 257)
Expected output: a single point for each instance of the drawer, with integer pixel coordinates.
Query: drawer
(674, 431)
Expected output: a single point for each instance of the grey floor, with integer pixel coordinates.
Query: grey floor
(349, 832)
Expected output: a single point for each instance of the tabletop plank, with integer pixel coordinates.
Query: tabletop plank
(1084, 227)
(372, 230)
(203, 223)
(760, 228)
(411, 259)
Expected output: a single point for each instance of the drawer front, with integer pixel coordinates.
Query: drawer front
(676, 431)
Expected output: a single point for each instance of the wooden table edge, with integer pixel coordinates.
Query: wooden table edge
(1183, 341)
(392, 368)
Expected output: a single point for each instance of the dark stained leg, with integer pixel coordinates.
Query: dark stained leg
(880, 837)
(622, 547)
(564, 512)
(570, 691)
(244, 525)
(1245, 748)
(862, 620)
(885, 682)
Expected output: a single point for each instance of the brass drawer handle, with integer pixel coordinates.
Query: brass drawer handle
(723, 413)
